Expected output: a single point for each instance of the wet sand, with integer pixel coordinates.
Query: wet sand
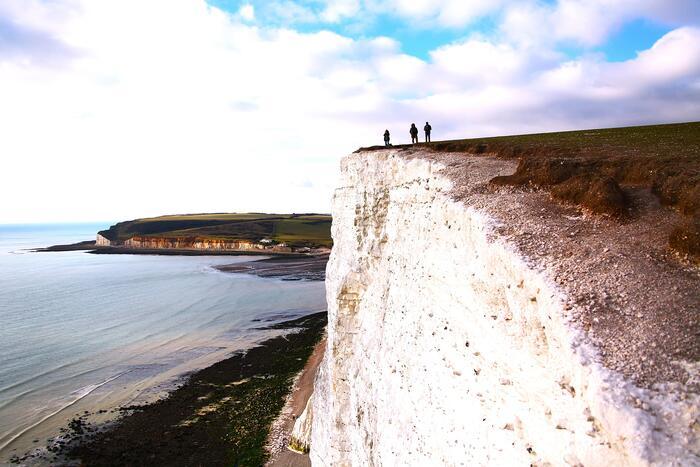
(38, 444)
(220, 416)
(307, 267)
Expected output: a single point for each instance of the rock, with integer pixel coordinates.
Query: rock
(301, 434)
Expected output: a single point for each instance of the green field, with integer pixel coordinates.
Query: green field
(296, 230)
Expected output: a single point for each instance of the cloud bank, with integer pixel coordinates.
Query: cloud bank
(114, 110)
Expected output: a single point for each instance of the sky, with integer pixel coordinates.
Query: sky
(117, 109)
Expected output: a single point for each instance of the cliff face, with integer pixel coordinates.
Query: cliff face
(446, 346)
(102, 241)
(197, 244)
(191, 243)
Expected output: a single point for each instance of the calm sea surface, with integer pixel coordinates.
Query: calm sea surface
(87, 332)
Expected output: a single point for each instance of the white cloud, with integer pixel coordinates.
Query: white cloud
(247, 12)
(289, 12)
(336, 10)
(671, 65)
(175, 106)
(431, 13)
(588, 22)
(479, 61)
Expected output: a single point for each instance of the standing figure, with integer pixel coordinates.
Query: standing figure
(427, 129)
(387, 137)
(414, 133)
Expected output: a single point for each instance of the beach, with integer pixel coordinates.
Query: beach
(219, 416)
(86, 335)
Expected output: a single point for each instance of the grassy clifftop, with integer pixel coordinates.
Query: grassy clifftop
(296, 230)
(595, 168)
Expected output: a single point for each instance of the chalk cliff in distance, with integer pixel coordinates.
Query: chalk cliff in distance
(231, 232)
(447, 345)
(192, 243)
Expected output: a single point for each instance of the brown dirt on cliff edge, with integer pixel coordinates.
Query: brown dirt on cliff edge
(595, 169)
(637, 301)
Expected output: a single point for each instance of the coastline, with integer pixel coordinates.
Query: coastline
(304, 267)
(216, 416)
(89, 246)
(117, 250)
(97, 404)
(281, 455)
(99, 411)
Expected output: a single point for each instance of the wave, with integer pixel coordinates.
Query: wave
(51, 371)
(80, 394)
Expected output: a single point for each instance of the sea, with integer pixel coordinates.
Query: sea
(83, 332)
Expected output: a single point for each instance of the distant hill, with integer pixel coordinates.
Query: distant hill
(295, 230)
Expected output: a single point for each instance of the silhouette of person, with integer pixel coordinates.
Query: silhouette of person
(387, 137)
(427, 129)
(414, 133)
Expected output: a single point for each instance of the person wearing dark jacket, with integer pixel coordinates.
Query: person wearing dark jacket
(414, 133)
(427, 129)
(387, 137)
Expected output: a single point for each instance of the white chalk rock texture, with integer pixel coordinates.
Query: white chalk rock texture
(445, 348)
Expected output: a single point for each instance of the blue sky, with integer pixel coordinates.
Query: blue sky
(624, 42)
(251, 104)
(632, 38)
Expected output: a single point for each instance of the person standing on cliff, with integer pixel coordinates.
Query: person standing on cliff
(414, 133)
(387, 137)
(427, 128)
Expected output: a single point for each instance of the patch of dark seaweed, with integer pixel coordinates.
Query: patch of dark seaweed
(220, 416)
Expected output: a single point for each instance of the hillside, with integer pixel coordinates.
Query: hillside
(295, 230)
(597, 169)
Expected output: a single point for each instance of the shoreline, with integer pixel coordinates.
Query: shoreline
(281, 455)
(85, 418)
(308, 267)
(100, 408)
(216, 416)
(90, 246)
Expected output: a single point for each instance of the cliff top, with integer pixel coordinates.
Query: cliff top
(596, 169)
(293, 229)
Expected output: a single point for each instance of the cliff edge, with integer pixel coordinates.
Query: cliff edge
(476, 324)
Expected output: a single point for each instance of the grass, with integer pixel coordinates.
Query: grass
(314, 230)
(296, 230)
(592, 168)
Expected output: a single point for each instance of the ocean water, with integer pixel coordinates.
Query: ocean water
(88, 332)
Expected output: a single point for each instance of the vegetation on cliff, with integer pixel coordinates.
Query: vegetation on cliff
(296, 230)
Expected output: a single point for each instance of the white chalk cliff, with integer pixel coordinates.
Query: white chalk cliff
(446, 347)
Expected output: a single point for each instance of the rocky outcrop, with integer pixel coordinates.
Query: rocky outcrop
(198, 243)
(301, 434)
(447, 347)
(193, 243)
(102, 241)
